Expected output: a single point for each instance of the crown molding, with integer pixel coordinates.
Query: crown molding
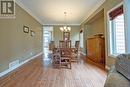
(28, 11)
(39, 20)
(61, 24)
(91, 11)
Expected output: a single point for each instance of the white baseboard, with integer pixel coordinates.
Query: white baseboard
(20, 64)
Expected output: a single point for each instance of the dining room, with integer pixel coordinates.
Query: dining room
(66, 41)
(78, 48)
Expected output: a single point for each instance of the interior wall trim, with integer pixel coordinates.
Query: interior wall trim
(20, 64)
(92, 10)
(28, 11)
(61, 24)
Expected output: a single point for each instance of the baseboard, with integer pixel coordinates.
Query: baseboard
(20, 64)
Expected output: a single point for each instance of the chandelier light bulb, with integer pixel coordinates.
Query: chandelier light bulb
(69, 28)
(61, 28)
(65, 28)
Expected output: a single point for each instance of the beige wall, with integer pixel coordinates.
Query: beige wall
(14, 43)
(95, 17)
(74, 34)
(95, 27)
(108, 4)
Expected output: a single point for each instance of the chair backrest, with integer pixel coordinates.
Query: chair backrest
(77, 44)
(51, 45)
(65, 44)
(65, 52)
(56, 50)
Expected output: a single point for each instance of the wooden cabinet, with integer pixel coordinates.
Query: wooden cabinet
(96, 49)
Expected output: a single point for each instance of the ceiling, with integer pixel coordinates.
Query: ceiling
(51, 12)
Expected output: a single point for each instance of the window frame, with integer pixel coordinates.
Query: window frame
(109, 30)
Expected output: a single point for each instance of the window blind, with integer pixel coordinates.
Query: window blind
(118, 11)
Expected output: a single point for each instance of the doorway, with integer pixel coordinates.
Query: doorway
(47, 38)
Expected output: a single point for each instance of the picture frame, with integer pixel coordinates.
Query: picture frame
(25, 29)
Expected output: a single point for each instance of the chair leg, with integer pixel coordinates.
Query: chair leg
(70, 64)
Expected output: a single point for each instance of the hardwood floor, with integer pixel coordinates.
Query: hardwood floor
(39, 73)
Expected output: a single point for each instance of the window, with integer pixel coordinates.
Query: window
(117, 33)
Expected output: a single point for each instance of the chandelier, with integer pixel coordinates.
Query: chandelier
(65, 28)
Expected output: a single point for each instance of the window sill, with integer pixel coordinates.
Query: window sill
(113, 55)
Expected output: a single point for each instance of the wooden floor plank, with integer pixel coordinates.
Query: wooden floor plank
(39, 73)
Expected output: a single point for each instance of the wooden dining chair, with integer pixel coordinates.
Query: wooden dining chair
(56, 58)
(62, 58)
(51, 45)
(65, 57)
(65, 44)
(75, 52)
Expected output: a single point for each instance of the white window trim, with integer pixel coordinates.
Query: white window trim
(108, 30)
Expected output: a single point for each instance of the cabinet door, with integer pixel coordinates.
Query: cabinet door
(91, 49)
(96, 49)
(99, 50)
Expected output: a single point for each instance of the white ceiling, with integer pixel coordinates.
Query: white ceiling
(51, 12)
